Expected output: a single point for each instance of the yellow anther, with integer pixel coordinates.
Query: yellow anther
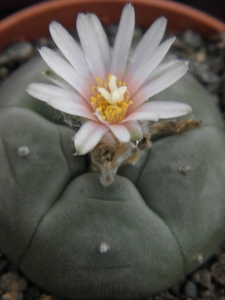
(111, 111)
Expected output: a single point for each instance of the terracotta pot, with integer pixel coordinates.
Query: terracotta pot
(32, 22)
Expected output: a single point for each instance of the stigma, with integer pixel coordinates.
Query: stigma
(110, 99)
(115, 93)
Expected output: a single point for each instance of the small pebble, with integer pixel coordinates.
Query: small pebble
(182, 47)
(192, 39)
(16, 52)
(218, 271)
(12, 296)
(46, 297)
(190, 289)
(23, 151)
(199, 56)
(202, 277)
(204, 74)
(13, 282)
(20, 51)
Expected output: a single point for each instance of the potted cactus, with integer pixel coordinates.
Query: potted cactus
(146, 224)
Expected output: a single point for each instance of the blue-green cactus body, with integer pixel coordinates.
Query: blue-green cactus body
(159, 219)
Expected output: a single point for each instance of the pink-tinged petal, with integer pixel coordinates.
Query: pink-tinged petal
(140, 114)
(120, 132)
(66, 71)
(135, 130)
(54, 78)
(44, 92)
(123, 42)
(71, 50)
(71, 108)
(147, 66)
(103, 41)
(89, 136)
(167, 109)
(146, 46)
(94, 45)
(158, 81)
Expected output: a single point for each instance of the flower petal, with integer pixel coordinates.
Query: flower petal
(140, 114)
(123, 42)
(135, 130)
(159, 80)
(88, 136)
(103, 42)
(71, 108)
(147, 45)
(66, 71)
(120, 132)
(44, 92)
(148, 65)
(71, 50)
(94, 44)
(54, 78)
(167, 109)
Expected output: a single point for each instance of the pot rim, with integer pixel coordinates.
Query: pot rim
(17, 25)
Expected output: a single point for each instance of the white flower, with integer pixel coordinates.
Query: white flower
(108, 88)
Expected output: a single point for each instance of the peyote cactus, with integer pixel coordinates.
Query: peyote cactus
(158, 220)
(80, 240)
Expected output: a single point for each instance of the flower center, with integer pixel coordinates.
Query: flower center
(110, 100)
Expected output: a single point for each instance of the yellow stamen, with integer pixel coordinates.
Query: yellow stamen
(114, 108)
